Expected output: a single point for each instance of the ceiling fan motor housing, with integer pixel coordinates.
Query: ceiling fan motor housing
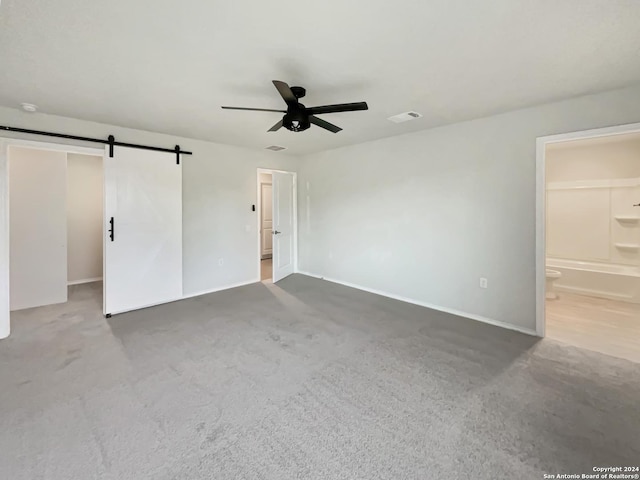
(299, 92)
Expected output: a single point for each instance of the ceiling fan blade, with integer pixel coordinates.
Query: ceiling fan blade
(286, 92)
(326, 125)
(341, 107)
(255, 109)
(276, 127)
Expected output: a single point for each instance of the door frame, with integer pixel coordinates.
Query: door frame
(259, 218)
(5, 254)
(541, 205)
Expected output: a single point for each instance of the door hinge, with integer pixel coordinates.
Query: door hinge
(111, 230)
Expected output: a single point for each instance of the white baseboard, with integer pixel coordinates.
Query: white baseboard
(85, 280)
(218, 289)
(309, 274)
(452, 311)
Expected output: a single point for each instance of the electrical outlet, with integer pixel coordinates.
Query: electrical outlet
(221, 261)
(484, 283)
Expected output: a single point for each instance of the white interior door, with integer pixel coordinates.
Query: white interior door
(38, 227)
(283, 225)
(266, 217)
(143, 258)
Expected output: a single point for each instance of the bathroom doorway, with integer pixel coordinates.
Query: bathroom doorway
(277, 224)
(588, 234)
(265, 181)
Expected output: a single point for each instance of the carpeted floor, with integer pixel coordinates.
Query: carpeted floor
(302, 380)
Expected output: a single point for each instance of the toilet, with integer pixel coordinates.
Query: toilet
(552, 276)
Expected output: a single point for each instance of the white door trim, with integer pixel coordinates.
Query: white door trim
(541, 144)
(5, 143)
(295, 217)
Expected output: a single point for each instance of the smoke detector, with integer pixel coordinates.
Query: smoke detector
(29, 107)
(405, 117)
(275, 148)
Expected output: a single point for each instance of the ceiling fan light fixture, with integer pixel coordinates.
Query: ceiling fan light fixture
(296, 121)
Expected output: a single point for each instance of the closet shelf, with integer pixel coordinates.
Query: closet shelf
(627, 218)
(627, 246)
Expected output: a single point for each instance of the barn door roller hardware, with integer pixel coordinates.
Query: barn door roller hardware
(111, 141)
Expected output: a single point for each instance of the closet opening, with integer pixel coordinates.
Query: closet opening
(55, 229)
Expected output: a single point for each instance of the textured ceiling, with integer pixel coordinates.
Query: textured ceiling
(168, 66)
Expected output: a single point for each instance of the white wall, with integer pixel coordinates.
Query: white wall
(422, 216)
(4, 246)
(219, 187)
(594, 159)
(38, 232)
(84, 217)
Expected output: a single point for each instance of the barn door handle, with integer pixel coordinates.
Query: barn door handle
(111, 230)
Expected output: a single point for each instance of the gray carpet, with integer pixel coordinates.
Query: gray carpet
(301, 380)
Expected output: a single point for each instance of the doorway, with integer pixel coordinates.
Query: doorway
(266, 225)
(55, 224)
(588, 240)
(51, 215)
(276, 224)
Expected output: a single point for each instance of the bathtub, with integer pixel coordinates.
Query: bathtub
(616, 282)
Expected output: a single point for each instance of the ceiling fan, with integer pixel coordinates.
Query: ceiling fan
(297, 117)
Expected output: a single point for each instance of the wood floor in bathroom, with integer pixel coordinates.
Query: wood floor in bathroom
(598, 324)
(266, 269)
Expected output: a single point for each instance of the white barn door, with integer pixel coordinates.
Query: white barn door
(143, 229)
(283, 225)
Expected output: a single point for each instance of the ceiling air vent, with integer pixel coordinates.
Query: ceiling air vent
(276, 148)
(404, 117)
